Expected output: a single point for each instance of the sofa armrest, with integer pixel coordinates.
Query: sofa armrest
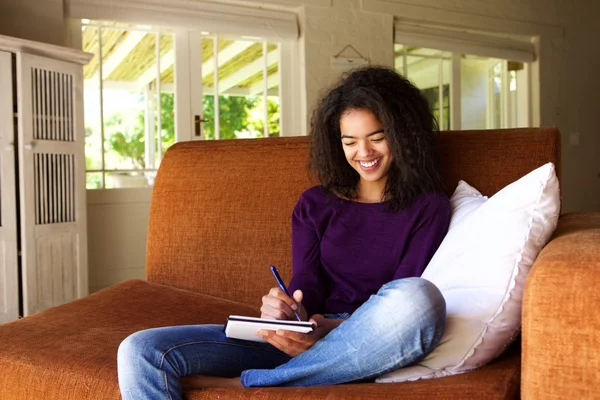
(561, 314)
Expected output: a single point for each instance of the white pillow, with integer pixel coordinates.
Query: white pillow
(481, 267)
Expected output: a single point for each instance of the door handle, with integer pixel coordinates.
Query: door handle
(197, 122)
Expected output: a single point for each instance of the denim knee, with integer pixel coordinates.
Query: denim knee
(131, 348)
(414, 293)
(139, 349)
(416, 298)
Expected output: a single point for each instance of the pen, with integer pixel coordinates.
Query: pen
(282, 286)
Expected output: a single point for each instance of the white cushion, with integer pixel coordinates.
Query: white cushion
(481, 267)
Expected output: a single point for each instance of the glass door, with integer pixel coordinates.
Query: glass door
(430, 71)
(239, 83)
(488, 93)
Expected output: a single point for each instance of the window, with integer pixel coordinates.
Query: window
(246, 78)
(481, 78)
(429, 70)
(131, 102)
(490, 92)
(128, 98)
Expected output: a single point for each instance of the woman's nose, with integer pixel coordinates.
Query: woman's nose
(364, 149)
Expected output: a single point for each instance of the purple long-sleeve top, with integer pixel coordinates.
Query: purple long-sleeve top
(344, 251)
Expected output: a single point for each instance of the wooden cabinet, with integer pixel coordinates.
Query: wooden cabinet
(43, 230)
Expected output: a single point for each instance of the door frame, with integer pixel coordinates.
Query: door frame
(9, 286)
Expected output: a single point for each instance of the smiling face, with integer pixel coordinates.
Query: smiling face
(365, 146)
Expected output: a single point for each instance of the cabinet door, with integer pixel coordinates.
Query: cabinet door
(51, 182)
(9, 281)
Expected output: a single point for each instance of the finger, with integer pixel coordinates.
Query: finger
(274, 312)
(269, 316)
(281, 295)
(298, 296)
(282, 343)
(279, 307)
(293, 336)
(271, 337)
(317, 319)
(275, 302)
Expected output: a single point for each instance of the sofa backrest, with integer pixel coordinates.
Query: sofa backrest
(220, 211)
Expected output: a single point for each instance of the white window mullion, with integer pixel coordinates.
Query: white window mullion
(505, 95)
(101, 92)
(283, 103)
(290, 81)
(455, 93)
(184, 86)
(195, 83)
(265, 89)
(149, 128)
(216, 86)
(158, 109)
(490, 121)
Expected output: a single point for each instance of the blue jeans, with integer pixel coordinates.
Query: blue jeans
(396, 327)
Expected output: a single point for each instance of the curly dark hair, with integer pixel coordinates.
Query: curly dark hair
(409, 128)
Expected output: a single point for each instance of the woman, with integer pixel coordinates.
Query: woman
(360, 240)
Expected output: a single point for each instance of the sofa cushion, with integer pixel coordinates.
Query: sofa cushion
(481, 267)
(70, 351)
(498, 380)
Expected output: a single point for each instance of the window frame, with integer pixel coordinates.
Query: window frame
(188, 100)
(472, 42)
(103, 171)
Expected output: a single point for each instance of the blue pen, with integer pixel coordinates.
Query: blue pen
(282, 286)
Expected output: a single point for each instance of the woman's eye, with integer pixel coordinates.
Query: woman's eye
(349, 144)
(377, 140)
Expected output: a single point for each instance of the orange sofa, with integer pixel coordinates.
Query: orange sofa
(220, 215)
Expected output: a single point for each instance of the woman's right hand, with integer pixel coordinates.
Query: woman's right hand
(278, 305)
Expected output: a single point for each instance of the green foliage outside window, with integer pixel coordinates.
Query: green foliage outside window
(239, 114)
(131, 145)
(236, 114)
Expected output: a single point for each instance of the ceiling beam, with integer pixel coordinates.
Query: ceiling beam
(167, 60)
(149, 75)
(111, 61)
(272, 81)
(226, 54)
(248, 71)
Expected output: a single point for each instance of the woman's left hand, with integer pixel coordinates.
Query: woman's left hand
(294, 343)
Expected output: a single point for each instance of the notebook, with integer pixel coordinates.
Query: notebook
(245, 328)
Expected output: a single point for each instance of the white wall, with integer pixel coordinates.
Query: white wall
(578, 89)
(327, 30)
(117, 229)
(39, 20)
(567, 85)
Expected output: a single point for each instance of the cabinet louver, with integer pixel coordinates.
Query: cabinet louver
(54, 178)
(52, 104)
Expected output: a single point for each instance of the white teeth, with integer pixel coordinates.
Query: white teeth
(369, 164)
